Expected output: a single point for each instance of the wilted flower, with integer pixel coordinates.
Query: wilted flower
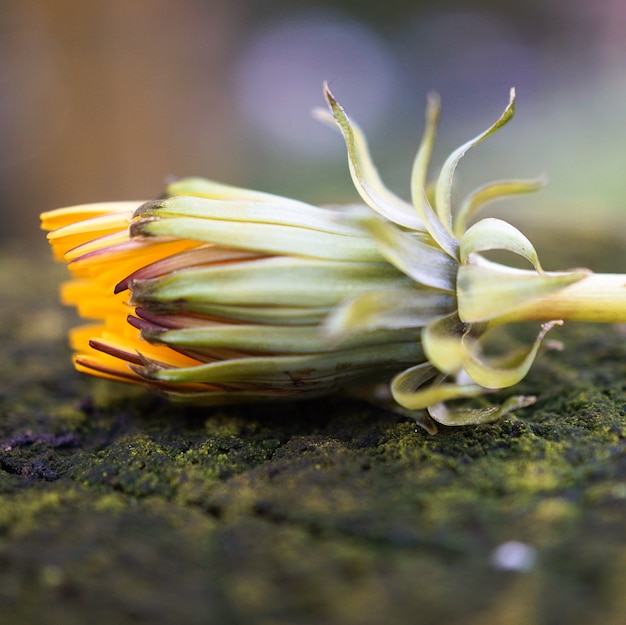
(217, 294)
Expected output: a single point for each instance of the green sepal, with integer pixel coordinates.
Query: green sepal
(486, 291)
(294, 371)
(272, 339)
(422, 262)
(274, 282)
(443, 191)
(496, 234)
(237, 394)
(262, 314)
(285, 213)
(490, 193)
(410, 307)
(420, 189)
(262, 237)
(201, 187)
(363, 171)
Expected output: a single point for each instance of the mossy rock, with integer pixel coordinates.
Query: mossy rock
(117, 507)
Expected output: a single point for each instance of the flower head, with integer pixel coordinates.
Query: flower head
(217, 294)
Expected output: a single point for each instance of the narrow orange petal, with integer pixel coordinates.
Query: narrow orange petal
(62, 217)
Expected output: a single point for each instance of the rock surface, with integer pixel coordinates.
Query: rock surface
(117, 507)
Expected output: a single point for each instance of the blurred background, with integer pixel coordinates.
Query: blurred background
(105, 100)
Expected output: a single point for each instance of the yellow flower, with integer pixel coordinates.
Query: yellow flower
(217, 294)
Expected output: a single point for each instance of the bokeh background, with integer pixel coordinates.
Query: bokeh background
(104, 100)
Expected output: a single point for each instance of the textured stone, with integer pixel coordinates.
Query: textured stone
(117, 507)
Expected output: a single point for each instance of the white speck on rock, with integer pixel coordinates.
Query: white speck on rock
(514, 555)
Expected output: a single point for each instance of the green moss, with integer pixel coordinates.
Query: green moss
(118, 507)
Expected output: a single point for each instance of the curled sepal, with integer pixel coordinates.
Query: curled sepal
(420, 190)
(444, 343)
(391, 309)
(490, 193)
(501, 373)
(496, 234)
(364, 173)
(475, 416)
(489, 291)
(443, 191)
(406, 388)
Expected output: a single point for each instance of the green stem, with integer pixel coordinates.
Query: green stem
(597, 298)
